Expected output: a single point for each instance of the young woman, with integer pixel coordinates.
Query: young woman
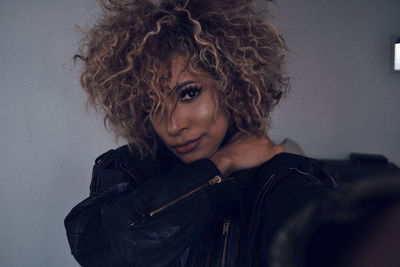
(190, 86)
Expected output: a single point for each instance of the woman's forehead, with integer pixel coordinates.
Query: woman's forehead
(181, 73)
(180, 69)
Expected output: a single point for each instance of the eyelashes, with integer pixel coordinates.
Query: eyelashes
(189, 93)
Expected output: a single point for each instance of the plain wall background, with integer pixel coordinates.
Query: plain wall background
(344, 99)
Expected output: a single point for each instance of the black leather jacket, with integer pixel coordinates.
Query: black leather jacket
(145, 212)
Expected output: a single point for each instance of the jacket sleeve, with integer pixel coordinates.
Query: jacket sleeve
(147, 225)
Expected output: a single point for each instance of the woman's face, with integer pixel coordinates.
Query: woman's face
(193, 126)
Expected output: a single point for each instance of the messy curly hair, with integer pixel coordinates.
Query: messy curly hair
(127, 54)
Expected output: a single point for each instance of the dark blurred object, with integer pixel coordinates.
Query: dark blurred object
(356, 226)
(368, 159)
(360, 166)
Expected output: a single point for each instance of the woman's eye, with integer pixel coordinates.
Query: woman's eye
(189, 93)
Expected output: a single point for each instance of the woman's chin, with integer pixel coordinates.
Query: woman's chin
(193, 156)
(190, 158)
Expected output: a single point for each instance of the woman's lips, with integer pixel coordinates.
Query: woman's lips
(188, 147)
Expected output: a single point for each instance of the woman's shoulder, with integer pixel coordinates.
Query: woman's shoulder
(288, 164)
(122, 157)
(122, 152)
(119, 165)
(285, 159)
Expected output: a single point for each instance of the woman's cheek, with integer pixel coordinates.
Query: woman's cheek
(205, 113)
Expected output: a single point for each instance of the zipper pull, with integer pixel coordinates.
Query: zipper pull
(215, 180)
(225, 228)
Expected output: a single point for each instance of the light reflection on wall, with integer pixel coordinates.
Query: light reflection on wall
(397, 55)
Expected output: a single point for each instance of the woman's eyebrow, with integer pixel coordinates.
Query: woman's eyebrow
(180, 85)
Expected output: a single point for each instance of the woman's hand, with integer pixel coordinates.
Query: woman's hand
(245, 151)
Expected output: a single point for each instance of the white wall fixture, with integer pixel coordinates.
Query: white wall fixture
(396, 54)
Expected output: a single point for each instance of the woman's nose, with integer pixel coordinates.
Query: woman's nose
(177, 121)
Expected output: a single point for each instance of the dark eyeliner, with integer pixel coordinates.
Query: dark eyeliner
(188, 90)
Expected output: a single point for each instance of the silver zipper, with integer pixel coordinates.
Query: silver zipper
(215, 180)
(225, 232)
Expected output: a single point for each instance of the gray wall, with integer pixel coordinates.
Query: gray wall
(48, 142)
(344, 99)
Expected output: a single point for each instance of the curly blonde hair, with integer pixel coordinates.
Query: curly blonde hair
(127, 55)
